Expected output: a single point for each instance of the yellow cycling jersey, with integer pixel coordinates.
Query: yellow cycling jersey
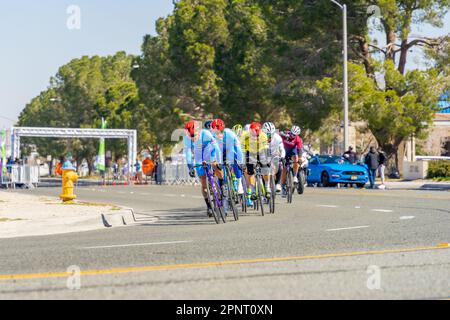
(254, 144)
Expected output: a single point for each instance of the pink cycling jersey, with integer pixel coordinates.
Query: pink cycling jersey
(290, 143)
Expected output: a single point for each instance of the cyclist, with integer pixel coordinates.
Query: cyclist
(276, 152)
(230, 146)
(293, 145)
(208, 124)
(237, 129)
(255, 146)
(200, 147)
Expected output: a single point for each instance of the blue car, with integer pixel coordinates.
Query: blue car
(331, 170)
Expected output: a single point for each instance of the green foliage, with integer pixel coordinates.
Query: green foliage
(81, 93)
(439, 169)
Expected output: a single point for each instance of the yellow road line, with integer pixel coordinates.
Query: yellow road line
(210, 264)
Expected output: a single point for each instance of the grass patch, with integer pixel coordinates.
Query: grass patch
(9, 220)
(441, 179)
(86, 204)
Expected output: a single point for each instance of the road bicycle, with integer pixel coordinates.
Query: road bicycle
(214, 194)
(231, 196)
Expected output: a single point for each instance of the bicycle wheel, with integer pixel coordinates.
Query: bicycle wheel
(260, 194)
(231, 196)
(289, 186)
(273, 194)
(242, 197)
(301, 182)
(220, 202)
(212, 201)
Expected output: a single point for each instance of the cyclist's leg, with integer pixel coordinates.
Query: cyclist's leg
(202, 175)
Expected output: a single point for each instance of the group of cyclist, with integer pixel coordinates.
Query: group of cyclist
(243, 149)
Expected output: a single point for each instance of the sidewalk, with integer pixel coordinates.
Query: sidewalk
(417, 185)
(26, 215)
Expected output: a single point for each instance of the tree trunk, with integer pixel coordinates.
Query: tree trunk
(391, 37)
(403, 57)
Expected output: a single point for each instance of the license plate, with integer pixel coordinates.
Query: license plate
(354, 177)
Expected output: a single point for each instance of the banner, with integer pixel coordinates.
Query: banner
(101, 162)
(3, 151)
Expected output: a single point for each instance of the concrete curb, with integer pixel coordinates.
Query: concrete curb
(122, 218)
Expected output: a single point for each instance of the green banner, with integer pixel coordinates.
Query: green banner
(101, 162)
(3, 151)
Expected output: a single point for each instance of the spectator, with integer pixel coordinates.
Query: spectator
(351, 155)
(382, 166)
(148, 167)
(372, 163)
(139, 173)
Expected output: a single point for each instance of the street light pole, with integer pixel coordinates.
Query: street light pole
(345, 53)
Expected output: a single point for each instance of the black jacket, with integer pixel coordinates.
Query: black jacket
(382, 158)
(351, 156)
(372, 160)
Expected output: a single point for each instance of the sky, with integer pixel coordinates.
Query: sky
(36, 40)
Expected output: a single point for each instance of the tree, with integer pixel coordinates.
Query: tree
(80, 94)
(397, 103)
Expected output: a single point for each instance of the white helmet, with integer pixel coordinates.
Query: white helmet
(247, 128)
(296, 130)
(269, 128)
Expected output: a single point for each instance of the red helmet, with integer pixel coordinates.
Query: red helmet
(218, 125)
(190, 127)
(256, 127)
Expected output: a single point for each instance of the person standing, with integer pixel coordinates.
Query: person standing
(381, 167)
(350, 155)
(372, 163)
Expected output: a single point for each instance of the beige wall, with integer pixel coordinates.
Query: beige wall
(434, 143)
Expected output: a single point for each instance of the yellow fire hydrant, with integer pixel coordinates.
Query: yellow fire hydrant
(69, 177)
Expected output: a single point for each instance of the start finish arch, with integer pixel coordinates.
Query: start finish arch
(130, 135)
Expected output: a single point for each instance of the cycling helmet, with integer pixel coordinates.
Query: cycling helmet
(295, 131)
(256, 128)
(218, 125)
(208, 124)
(190, 128)
(237, 129)
(247, 127)
(269, 128)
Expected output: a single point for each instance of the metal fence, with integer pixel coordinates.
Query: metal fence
(25, 175)
(175, 174)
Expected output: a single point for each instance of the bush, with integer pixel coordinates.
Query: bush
(439, 169)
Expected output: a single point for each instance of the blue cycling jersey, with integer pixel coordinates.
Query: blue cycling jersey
(205, 149)
(230, 147)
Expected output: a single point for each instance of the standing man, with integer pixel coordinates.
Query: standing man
(350, 155)
(382, 166)
(372, 163)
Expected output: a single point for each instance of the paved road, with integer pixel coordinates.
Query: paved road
(330, 244)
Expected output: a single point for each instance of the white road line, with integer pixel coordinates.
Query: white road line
(357, 207)
(349, 228)
(407, 217)
(326, 206)
(137, 245)
(382, 210)
(197, 197)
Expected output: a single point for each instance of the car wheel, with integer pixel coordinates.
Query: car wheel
(360, 185)
(325, 179)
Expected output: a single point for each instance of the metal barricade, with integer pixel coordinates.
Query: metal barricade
(25, 175)
(176, 174)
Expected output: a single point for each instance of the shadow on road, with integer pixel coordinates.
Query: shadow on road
(174, 217)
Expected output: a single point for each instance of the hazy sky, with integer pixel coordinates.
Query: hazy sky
(35, 40)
